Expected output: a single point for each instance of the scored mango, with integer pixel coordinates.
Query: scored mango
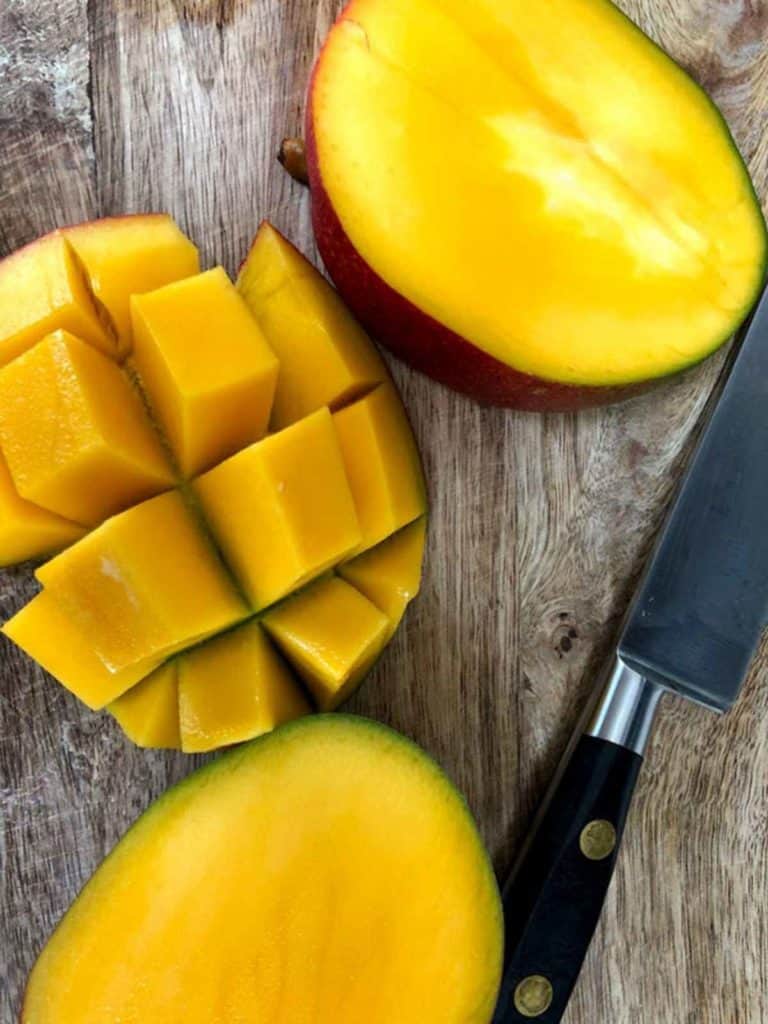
(149, 713)
(75, 435)
(130, 255)
(230, 572)
(144, 584)
(389, 575)
(233, 688)
(382, 464)
(44, 630)
(331, 635)
(325, 356)
(205, 366)
(282, 510)
(26, 530)
(43, 288)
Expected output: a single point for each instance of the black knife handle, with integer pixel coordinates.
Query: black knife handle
(554, 897)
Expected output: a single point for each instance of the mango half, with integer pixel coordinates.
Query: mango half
(328, 873)
(530, 202)
(214, 503)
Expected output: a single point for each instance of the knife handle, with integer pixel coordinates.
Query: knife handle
(555, 894)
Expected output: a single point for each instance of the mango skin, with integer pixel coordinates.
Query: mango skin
(431, 347)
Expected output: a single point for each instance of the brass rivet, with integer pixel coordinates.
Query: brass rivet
(598, 840)
(533, 996)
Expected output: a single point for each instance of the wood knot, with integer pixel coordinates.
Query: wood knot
(565, 634)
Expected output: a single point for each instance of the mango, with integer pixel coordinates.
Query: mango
(332, 635)
(26, 530)
(233, 688)
(207, 371)
(75, 436)
(282, 511)
(200, 525)
(382, 464)
(327, 872)
(45, 631)
(389, 575)
(149, 713)
(130, 255)
(529, 201)
(43, 287)
(144, 584)
(325, 356)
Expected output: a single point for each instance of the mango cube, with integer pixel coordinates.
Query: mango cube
(205, 366)
(129, 255)
(382, 464)
(331, 635)
(48, 635)
(281, 511)
(148, 713)
(325, 356)
(74, 433)
(389, 575)
(26, 530)
(233, 688)
(43, 287)
(144, 584)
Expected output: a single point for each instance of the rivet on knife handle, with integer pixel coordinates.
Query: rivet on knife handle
(556, 892)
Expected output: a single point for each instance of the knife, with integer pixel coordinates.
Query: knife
(691, 630)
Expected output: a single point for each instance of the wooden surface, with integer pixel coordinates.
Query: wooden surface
(539, 524)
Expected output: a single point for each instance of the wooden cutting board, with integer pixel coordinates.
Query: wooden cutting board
(539, 523)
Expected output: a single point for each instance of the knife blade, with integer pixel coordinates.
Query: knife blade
(691, 630)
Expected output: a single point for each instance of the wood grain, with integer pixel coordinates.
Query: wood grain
(539, 523)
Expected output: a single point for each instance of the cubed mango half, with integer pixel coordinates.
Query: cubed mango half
(332, 635)
(325, 356)
(43, 287)
(389, 575)
(144, 584)
(74, 433)
(44, 630)
(198, 520)
(282, 511)
(207, 371)
(382, 464)
(26, 530)
(233, 688)
(148, 714)
(130, 255)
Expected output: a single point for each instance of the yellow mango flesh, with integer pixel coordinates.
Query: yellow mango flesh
(150, 583)
(332, 635)
(382, 464)
(325, 356)
(43, 288)
(205, 366)
(144, 584)
(233, 688)
(130, 255)
(26, 530)
(334, 875)
(44, 630)
(611, 232)
(75, 436)
(281, 511)
(149, 713)
(389, 575)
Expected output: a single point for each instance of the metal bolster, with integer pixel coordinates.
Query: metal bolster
(626, 710)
